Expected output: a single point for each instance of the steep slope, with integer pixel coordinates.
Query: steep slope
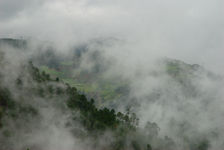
(51, 105)
(33, 104)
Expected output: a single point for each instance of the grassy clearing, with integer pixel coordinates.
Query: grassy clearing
(105, 89)
(67, 63)
(52, 72)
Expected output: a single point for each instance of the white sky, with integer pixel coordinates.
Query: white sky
(190, 30)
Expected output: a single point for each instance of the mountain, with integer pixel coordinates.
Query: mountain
(16, 43)
(26, 103)
(50, 102)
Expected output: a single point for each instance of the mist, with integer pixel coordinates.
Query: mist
(188, 30)
(132, 41)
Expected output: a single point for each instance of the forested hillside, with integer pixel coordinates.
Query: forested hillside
(20, 106)
(111, 75)
(42, 110)
(28, 100)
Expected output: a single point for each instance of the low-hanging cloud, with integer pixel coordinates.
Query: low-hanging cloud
(142, 32)
(189, 30)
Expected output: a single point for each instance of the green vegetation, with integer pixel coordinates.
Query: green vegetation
(51, 72)
(52, 86)
(67, 63)
(93, 119)
(102, 90)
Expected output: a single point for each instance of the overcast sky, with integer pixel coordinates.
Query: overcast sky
(191, 30)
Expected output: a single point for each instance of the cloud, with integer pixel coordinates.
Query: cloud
(146, 30)
(187, 30)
